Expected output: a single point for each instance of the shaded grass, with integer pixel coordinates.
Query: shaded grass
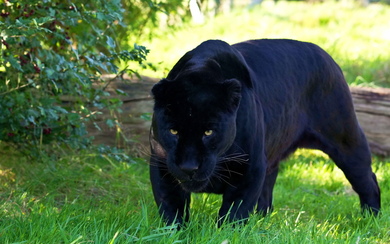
(87, 199)
(356, 37)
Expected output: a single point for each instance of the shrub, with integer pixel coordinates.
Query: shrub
(51, 50)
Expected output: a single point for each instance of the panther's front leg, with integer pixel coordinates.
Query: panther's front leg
(240, 201)
(172, 200)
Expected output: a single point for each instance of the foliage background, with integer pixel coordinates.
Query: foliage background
(355, 36)
(54, 53)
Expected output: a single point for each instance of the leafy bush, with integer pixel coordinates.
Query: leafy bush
(53, 51)
(143, 18)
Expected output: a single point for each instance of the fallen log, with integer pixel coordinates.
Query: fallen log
(137, 106)
(372, 106)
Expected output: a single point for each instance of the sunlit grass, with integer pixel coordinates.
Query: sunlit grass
(355, 36)
(85, 198)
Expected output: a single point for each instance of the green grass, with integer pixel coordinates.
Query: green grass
(356, 37)
(87, 198)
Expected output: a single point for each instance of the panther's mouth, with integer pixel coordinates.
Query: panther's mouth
(193, 185)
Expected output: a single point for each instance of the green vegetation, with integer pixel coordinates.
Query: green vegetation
(356, 37)
(55, 52)
(48, 51)
(88, 196)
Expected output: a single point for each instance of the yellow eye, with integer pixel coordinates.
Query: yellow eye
(208, 132)
(173, 132)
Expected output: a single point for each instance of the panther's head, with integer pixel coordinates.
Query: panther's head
(194, 123)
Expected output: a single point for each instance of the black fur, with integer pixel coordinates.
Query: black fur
(226, 115)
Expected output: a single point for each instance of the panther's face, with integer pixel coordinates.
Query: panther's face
(193, 126)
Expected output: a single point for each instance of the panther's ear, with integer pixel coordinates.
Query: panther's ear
(232, 89)
(160, 88)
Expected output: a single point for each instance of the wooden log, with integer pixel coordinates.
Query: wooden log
(372, 106)
(133, 132)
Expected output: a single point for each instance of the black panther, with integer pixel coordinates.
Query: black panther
(226, 115)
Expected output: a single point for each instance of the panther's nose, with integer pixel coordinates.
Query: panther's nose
(189, 168)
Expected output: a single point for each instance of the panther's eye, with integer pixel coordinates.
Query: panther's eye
(173, 132)
(208, 132)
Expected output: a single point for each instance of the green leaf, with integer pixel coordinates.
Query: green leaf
(49, 72)
(14, 63)
(146, 116)
(110, 42)
(121, 92)
(110, 123)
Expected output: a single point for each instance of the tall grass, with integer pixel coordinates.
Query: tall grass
(87, 199)
(356, 37)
